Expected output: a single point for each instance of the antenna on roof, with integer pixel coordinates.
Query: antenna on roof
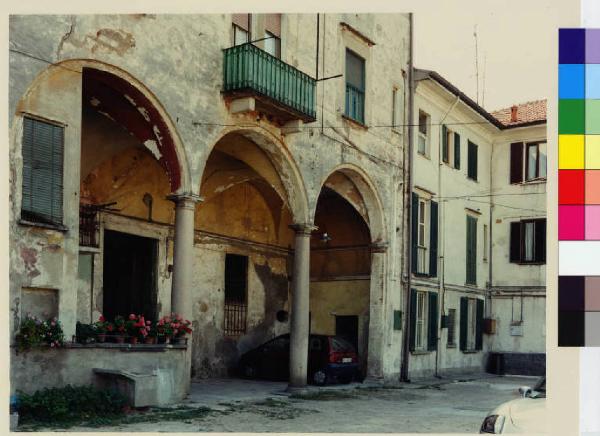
(483, 82)
(476, 63)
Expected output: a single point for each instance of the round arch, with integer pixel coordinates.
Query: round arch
(136, 103)
(287, 180)
(371, 210)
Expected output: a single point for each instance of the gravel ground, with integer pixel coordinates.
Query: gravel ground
(456, 406)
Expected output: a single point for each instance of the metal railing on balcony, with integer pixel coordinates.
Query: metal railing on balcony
(355, 103)
(248, 68)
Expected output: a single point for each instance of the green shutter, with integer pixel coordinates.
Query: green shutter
(479, 326)
(414, 231)
(413, 319)
(433, 239)
(42, 151)
(445, 156)
(456, 151)
(471, 250)
(472, 164)
(464, 319)
(432, 316)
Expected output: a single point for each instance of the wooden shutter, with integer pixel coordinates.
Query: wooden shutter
(472, 161)
(471, 248)
(515, 242)
(42, 151)
(540, 241)
(456, 151)
(273, 24)
(433, 239)
(432, 315)
(516, 162)
(414, 231)
(445, 156)
(413, 319)
(464, 322)
(241, 20)
(479, 326)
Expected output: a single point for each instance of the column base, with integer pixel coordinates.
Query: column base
(297, 390)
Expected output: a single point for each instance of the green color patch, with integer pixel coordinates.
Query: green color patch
(592, 116)
(571, 116)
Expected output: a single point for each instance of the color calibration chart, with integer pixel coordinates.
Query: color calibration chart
(579, 187)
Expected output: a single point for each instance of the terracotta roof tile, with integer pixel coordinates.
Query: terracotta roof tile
(529, 112)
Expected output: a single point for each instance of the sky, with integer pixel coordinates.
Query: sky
(517, 42)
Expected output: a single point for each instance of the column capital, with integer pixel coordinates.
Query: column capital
(303, 228)
(379, 247)
(185, 199)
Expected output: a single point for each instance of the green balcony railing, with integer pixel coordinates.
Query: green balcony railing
(248, 68)
(355, 103)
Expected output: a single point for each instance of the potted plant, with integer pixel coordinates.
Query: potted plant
(164, 329)
(151, 337)
(120, 329)
(181, 328)
(132, 326)
(54, 333)
(101, 327)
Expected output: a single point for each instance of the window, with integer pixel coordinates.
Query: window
(485, 243)
(471, 324)
(451, 327)
(527, 161)
(424, 236)
(423, 138)
(472, 161)
(236, 294)
(471, 258)
(272, 45)
(241, 28)
(355, 87)
(450, 148)
(42, 149)
(528, 241)
(423, 321)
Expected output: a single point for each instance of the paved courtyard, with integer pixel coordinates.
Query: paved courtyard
(451, 405)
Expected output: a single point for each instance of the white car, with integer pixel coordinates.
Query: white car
(523, 415)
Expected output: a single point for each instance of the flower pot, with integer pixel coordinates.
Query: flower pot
(178, 341)
(102, 337)
(119, 339)
(150, 340)
(133, 340)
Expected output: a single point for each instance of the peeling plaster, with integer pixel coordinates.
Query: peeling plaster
(151, 145)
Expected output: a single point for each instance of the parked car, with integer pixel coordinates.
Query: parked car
(330, 358)
(523, 415)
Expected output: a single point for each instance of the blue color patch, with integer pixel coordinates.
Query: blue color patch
(571, 81)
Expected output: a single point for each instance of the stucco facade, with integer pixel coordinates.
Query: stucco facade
(144, 118)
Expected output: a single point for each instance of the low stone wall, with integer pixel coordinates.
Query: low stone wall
(55, 367)
(517, 363)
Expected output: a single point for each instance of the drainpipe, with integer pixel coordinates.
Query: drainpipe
(408, 206)
(441, 235)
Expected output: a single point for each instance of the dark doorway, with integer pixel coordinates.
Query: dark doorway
(347, 327)
(129, 275)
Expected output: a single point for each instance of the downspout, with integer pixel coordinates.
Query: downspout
(490, 232)
(441, 235)
(408, 206)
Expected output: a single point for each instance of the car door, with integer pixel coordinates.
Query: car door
(275, 358)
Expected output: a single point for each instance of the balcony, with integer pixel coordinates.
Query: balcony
(266, 84)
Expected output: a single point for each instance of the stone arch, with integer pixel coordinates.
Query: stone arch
(136, 103)
(271, 154)
(356, 187)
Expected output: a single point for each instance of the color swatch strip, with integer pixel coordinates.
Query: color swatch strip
(579, 311)
(579, 135)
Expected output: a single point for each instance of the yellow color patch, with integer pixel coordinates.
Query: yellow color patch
(592, 152)
(571, 152)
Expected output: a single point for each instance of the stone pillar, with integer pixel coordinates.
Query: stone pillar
(300, 306)
(377, 308)
(183, 253)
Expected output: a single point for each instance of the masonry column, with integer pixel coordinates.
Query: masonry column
(377, 309)
(183, 255)
(300, 306)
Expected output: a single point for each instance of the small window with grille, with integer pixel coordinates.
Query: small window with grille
(451, 327)
(236, 294)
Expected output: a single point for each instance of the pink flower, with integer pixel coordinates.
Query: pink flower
(101, 319)
(148, 322)
(52, 344)
(132, 316)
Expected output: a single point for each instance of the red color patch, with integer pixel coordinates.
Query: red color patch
(571, 186)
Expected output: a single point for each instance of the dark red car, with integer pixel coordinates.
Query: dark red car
(330, 358)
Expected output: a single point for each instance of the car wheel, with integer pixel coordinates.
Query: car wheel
(319, 377)
(249, 370)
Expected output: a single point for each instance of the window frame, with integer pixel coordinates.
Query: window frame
(423, 231)
(421, 321)
(358, 117)
(471, 146)
(228, 304)
(449, 144)
(475, 219)
(526, 147)
(424, 136)
(270, 36)
(522, 241)
(471, 344)
(451, 337)
(237, 29)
